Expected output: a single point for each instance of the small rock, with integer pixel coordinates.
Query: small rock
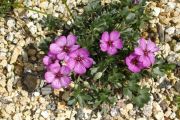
(46, 90)
(10, 37)
(164, 105)
(170, 30)
(45, 114)
(11, 23)
(156, 11)
(167, 38)
(114, 112)
(177, 86)
(16, 52)
(171, 5)
(165, 84)
(177, 47)
(129, 106)
(36, 94)
(160, 32)
(156, 97)
(31, 81)
(165, 50)
(173, 115)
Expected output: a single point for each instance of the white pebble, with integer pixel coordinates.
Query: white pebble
(10, 36)
(156, 11)
(170, 30)
(11, 23)
(36, 94)
(45, 114)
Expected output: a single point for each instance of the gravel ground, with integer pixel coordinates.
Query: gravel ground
(24, 95)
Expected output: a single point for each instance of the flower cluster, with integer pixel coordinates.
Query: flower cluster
(65, 50)
(143, 56)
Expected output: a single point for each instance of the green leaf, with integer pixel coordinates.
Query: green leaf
(132, 85)
(142, 98)
(98, 75)
(127, 92)
(72, 102)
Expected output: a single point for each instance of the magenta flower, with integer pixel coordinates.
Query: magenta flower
(111, 42)
(133, 63)
(79, 61)
(146, 50)
(63, 46)
(49, 59)
(59, 77)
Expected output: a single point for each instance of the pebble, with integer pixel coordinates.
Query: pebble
(16, 52)
(177, 86)
(10, 37)
(31, 81)
(177, 47)
(170, 30)
(156, 11)
(45, 114)
(11, 23)
(171, 5)
(46, 90)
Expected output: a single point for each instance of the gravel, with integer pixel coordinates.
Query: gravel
(24, 95)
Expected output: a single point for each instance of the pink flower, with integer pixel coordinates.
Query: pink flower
(133, 63)
(58, 76)
(79, 61)
(49, 59)
(111, 42)
(146, 51)
(63, 46)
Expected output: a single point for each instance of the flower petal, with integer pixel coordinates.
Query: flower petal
(61, 41)
(83, 52)
(139, 51)
(55, 67)
(61, 55)
(134, 68)
(74, 47)
(145, 60)
(65, 70)
(54, 48)
(151, 58)
(114, 35)
(49, 76)
(112, 50)
(65, 81)
(71, 40)
(105, 36)
(73, 54)
(87, 62)
(104, 47)
(56, 84)
(71, 63)
(143, 43)
(47, 60)
(79, 69)
(118, 43)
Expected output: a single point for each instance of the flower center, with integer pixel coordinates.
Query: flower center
(66, 49)
(59, 75)
(110, 43)
(146, 53)
(78, 58)
(135, 61)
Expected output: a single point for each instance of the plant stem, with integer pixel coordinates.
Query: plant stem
(67, 7)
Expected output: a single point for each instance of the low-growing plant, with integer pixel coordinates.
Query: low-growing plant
(109, 73)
